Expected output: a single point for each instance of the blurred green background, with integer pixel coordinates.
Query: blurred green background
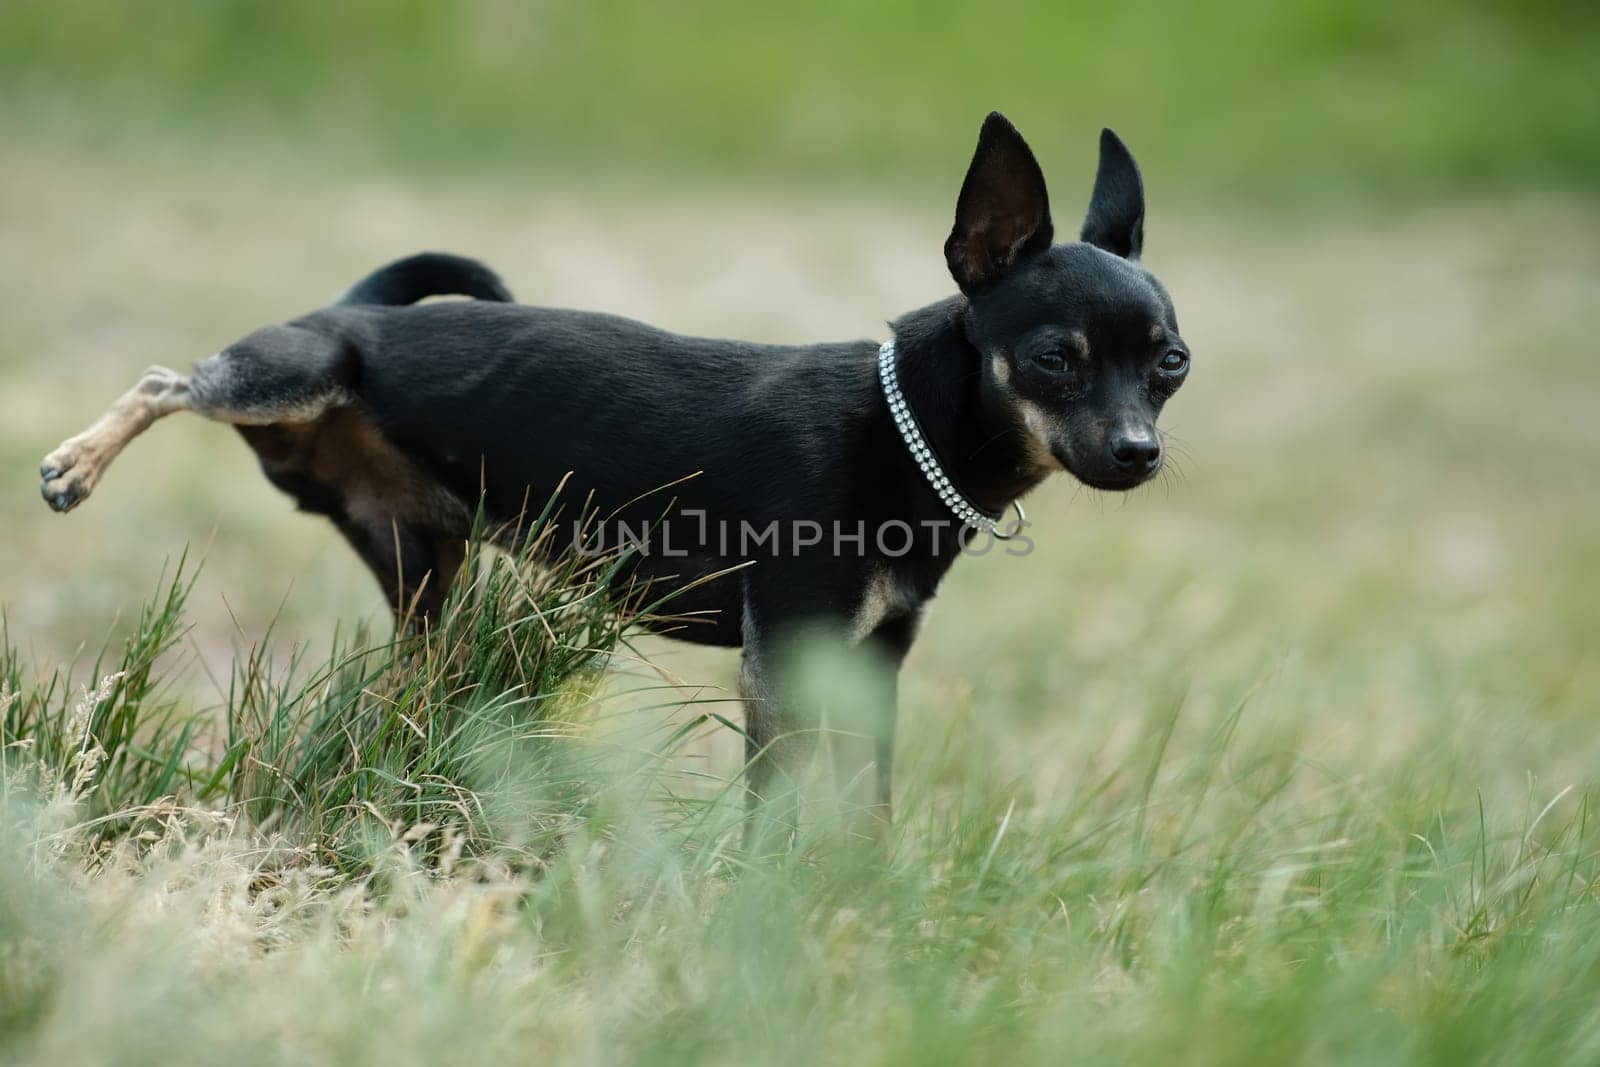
(1363, 606)
(1245, 100)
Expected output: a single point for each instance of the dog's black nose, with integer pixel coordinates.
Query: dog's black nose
(1135, 449)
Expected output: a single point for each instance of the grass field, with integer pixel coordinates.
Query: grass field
(1290, 757)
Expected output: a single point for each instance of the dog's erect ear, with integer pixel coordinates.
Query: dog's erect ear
(1003, 213)
(1116, 209)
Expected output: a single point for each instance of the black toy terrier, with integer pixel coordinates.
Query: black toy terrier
(837, 482)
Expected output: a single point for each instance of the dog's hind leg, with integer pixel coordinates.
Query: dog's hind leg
(282, 374)
(70, 473)
(414, 567)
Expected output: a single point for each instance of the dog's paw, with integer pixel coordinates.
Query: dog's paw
(64, 480)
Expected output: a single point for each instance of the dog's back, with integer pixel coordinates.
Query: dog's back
(627, 407)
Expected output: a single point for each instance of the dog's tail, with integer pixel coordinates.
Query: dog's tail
(405, 281)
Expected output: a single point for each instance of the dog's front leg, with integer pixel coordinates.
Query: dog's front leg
(779, 743)
(863, 744)
(814, 682)
(69, 474)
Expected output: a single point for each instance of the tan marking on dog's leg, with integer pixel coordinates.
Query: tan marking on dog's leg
(70, 473)
(877, 600)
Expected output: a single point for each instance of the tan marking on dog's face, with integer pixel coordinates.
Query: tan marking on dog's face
(1032, 416)
(1039, 437)
(1158, 332)
(1002, 372)
(1078, 341)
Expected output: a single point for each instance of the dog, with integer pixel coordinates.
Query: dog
(399, 421)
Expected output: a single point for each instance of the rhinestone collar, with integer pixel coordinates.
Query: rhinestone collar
(922, 455)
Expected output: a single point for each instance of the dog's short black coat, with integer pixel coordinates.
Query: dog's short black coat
(395, 420)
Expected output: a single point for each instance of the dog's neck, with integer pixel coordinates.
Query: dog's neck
(983, 449)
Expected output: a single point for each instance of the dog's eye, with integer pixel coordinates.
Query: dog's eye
(1051, 360)
(1174, 362)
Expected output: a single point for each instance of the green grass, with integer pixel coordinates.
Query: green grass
(438, 860)
(432, 736)
(1291, 757)
(1248, 101)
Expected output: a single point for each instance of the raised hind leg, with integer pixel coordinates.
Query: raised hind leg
(282, 374)
(69, 474)
(288, 391)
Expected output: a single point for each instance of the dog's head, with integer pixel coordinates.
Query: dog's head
(1079, 342)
